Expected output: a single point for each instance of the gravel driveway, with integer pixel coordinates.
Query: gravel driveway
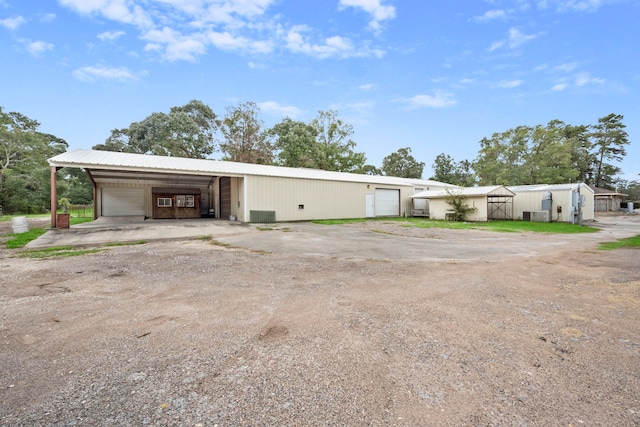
(362, 324)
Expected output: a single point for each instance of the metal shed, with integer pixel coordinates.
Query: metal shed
(491, 202)
(172, 187)
(572, 203)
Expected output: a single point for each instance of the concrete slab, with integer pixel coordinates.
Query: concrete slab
(133, 229)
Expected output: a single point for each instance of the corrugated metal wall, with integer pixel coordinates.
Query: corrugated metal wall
(307, 199)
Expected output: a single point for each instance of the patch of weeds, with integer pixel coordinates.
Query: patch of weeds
(264, 228)
(286, 229)
(138, 242)
(59, 251)
(219, 243)
(203, 238)
(629, 242)
(381, 231)
(337, 221)
(261, 251)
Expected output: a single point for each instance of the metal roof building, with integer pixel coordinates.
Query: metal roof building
(128, 184)
(490, 202)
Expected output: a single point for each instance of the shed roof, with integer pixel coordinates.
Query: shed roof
(599, 191)
(488, 191)
(548, 187)
(115, 161)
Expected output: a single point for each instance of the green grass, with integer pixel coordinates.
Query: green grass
(501, 226)
(137, 242)
(629, 242)
(20, 240)
(60, 251)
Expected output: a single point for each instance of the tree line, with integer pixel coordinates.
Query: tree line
(542, 154)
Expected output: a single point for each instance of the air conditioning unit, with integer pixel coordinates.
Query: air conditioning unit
(526, 216)
(540, 216)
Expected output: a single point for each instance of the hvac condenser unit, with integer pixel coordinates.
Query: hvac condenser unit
(540, 216)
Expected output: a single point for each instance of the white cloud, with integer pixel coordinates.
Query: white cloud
(185, 29)
(491, 15)
(567, 67)
(122, 11)
(439, 99)
(100, 72)
(48, 17)
(583, 79)
(368, 86)
(37, 48)
(579, 5)
(378, 12)
(110, 35)
(276, 109)
(332, 47)
(559, 87)
(12, 23)
(514, 39)
(508, 84)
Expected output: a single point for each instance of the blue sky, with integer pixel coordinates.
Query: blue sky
(436, 76)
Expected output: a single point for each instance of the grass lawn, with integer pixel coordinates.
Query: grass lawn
(502, 226)
(20, 240)
(629, 242)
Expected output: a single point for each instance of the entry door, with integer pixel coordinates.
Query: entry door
(369, 206)
(225, 197)
(387, 202)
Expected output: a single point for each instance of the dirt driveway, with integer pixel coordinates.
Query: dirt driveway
(364, 324)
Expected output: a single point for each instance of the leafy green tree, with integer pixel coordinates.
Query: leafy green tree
(295, 144)
(244, 137)
(24, 171)
(336, 149)
(324, 143)
(446, 169)
(527, 155)
(609, 139)
(186, 131)
(458, 203)
(402, 164)
(370, 170)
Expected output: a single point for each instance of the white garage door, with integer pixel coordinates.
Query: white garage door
(387, 202)
(122, 201)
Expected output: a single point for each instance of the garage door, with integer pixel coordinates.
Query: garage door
(387, 202)
(122, 201)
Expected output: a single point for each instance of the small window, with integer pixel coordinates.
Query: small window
(190, 202)
(180, 201)
(165, 202)
(301, 207)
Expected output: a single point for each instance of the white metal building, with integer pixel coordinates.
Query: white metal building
(561, 202)
(170, 187)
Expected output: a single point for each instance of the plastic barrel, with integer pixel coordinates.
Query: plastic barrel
(19, 224)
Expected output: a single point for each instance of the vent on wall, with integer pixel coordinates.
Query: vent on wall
(262, 216)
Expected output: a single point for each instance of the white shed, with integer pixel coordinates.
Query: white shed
(554, 202)
(491, 202)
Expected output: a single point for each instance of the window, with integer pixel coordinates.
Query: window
(190, 201)
(180, 201)
(165, 202)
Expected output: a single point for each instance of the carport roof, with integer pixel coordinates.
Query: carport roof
(125, 163)
(489, 191)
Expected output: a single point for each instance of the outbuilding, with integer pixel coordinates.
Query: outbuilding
(607, 200)
(570, 203)
(490, 202)
(150, 186)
